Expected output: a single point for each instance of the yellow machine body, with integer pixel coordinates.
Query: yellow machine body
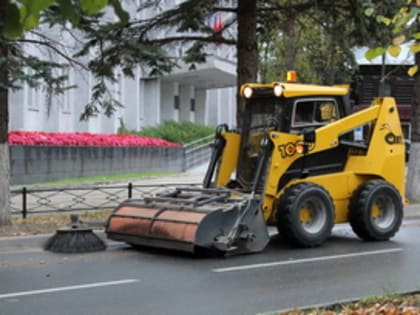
(382, 159)
(279, 181)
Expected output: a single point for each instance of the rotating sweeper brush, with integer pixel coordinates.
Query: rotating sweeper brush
(189, 219)
(77, 237)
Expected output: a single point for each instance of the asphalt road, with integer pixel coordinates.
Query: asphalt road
(125, 281)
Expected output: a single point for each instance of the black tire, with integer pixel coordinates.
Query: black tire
(376, 211)
(305, 215)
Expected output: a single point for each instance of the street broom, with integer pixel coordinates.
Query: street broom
(75, 238)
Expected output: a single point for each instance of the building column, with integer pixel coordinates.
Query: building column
(219, 106)
(200, 106)
(132, 101)
(150, 111)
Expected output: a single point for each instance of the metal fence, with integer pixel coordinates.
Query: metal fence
(198, 152)
(31, 201)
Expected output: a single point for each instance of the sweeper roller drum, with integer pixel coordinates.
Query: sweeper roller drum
(138, 225)
(187, 221)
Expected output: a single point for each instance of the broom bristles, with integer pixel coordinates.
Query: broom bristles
(74, 241)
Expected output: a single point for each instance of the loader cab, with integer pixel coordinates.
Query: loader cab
(261, 115)
(292, 113)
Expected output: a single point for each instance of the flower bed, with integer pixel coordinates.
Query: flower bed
(84, 139)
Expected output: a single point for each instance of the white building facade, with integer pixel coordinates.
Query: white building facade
(205, 94)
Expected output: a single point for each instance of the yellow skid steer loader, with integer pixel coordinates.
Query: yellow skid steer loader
(294, 164)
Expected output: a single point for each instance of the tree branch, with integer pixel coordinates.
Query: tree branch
(209, 39)
(225, 9)
(277, 7)
(55, 49)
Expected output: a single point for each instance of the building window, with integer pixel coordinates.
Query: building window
(192, 105)
(32, 96)
(176, 102)
(67, 97)
(119, 89)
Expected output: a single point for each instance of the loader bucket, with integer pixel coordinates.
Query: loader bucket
(211, 221)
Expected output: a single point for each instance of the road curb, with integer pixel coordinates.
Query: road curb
(9, 243)
(333, 305)
(412, 211)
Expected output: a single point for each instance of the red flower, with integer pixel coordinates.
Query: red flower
(84, 139)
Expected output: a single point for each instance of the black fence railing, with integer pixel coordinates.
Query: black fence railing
(31, 201)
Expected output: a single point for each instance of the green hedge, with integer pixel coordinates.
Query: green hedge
(181, 132)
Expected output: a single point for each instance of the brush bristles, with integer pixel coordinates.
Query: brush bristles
(75, 241)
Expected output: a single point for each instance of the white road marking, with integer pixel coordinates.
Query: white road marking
(306, 260)
(67, 288)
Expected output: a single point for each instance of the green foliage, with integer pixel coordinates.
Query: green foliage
(67, 12)
(316, 42)
(12, 26)
(119, 11)
(195, 53)
(374, 52)
(118, 45)
(398, 24)
(192, 15)
(375, 17)
(24, 15)
(30, 12)
(181, 132)
(108, 104)
(32, 70)
(93, 6)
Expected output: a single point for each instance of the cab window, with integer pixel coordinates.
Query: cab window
(314, 112)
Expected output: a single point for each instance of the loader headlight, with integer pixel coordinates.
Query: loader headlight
(278, 90)
(248, 92)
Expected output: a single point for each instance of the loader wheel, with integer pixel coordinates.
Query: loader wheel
(376, 211)
(305, 215)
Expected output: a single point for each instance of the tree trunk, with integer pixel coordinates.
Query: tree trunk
(246, 50)
(4, 125)
(413, 174)
(290, 42)
(381, 91)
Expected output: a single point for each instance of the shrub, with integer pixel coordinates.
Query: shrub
(181, 132)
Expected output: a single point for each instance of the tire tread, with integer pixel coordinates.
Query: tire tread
(359, 213)
(285, 217)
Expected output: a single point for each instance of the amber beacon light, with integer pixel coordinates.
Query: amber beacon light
(291, 76)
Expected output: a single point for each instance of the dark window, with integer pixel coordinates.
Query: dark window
(176, 102)
(312, 112)
(192, 104)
